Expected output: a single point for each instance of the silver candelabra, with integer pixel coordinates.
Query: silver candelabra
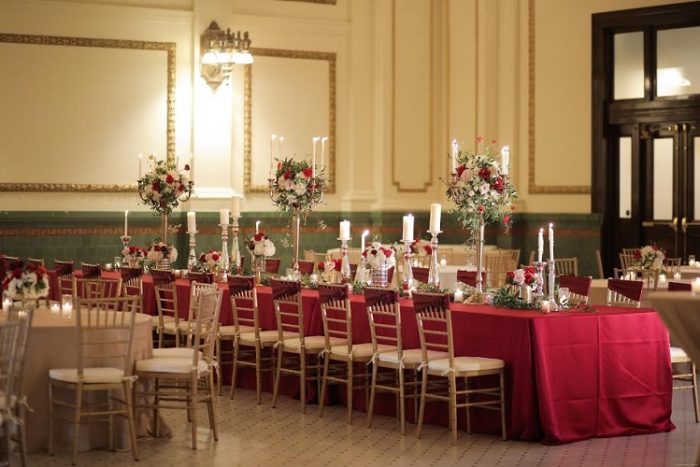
(434, 270)
(192, 257)
(235, 248)
(407, 268)
(345, 270)
(224, 249)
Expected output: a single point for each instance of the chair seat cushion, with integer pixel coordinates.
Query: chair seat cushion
(359, 350)
(678, 355)
(411, 357)
(174, 352)
(170, 365)
(231, 330)
(266, 337)
(466, 364)
(90, 375)
(311, 343)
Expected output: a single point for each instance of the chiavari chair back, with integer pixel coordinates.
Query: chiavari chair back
(168, 314)
(566, 266)
(105, 328)
(673, 262)
(625, 292)
(497, 264)
(133, 287)
(63, 268)
(36, 261)
(201, 277)
(435, 333)
(91, 270)
(272, 265)
(627, 260)
(579, 287)
(336, 315)
(306, 267)
(162, 276)
(197, 289)
(128, 273)
(599, 265)
(420, 274)
(631, 251)
(97, 288)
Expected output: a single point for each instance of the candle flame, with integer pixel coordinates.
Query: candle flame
(365, 233)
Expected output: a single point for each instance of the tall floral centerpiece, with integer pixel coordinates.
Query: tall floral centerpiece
(30, 283)
(296, 187)
(481, 191)
(163, 187)
(260, 247)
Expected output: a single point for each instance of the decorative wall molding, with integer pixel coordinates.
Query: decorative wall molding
(167, 47)
(533, 187)
(330, 57)
(322, 2)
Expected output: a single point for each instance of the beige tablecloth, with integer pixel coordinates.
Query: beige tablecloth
(680, 312)
(52, 344)
(688, 272)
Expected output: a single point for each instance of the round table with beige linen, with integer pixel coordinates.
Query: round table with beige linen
(599, 291)
(53, 344)
(689, 272)
(680, 312)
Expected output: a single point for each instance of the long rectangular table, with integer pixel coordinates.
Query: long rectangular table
(569, 376)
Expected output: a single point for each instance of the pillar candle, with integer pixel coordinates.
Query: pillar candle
(191, 222)
(280, 146)
(315, 140)
(505, 159)
(257, 226)
(272, 153)
(344, 230)
(223, 216)
(540, 245)
(140, 165)
(324, 149)
(126, 223)
(435, 214)
(236, 207)
(364, 236)
(192, 167)
(551, 242)
(455, 150)
(408, 228)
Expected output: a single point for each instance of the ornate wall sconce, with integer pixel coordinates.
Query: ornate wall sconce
(220, 50)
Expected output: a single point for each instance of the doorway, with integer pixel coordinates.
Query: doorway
(646, 128)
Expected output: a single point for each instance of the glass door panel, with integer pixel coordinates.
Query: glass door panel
(677, 62)
(628, 69)
(663, 179)
(625, 175)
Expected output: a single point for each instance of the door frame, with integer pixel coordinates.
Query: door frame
(606, 112)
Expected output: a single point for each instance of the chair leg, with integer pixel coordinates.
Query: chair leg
(258, 372)
(467, 408)
(76, 421)
(402, 401)
(453, 406)
(694, 381)
(210, 406)
(277, 377)
(421, 408)
(22, 435)
(110, 409)
(302, 379)
(372, 392)
(234, 369)
(156, 405)
(503, 408)
(192, 400)
(130, 415)
(219, 367)
(350, 390)
(51, 421)
(160, 337)
(324, 385)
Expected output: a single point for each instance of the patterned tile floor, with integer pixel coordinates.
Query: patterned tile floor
(259, 435)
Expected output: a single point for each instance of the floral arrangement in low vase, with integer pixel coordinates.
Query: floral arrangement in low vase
(650, 257)
(330, 270)
(211, 261)
(163, 254)
(516, 294)
(297, 187)
(30, 283)
(421, 248)
(480, 187)
(380, 259)
(260, 247)
(133, 256)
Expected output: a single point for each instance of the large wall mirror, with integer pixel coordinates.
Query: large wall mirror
(290, 93)
(76, 111)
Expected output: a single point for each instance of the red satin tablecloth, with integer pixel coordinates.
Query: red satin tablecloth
(569, 376)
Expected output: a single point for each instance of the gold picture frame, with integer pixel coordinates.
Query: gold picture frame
(167, 47)
(330, 57)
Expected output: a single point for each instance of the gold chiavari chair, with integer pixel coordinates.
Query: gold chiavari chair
(309, 255)
(250, 341)
(337, 327)
(98, 288)
(435, 331)
(497, 264)
(579, 287)
(566, 266)
(384, 315)
(184, 382)
(531, 258)
(599, 265)
(650, 277)
(91, 270)
(631, 251)
(133, 287)
(688, 377)
(169, 322)
(36, 261)
(290, 319)
(627, 260)
(673, 262)
(105, 328)
(14, 334)
(625, 293)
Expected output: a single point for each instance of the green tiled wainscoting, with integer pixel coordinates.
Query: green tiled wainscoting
(94, 236)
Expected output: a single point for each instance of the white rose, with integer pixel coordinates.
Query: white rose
(281, 181)
(173, 255)
(519, 277)
(259, 249)
(300, 189)
(289, 185)
(485, 187)
(471, 193)
(268, 248)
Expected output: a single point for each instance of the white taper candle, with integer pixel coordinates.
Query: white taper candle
(435, 215)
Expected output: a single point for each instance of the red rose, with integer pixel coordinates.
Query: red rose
(637, 255)
(428, 249)
(530, 270)
(485, 173)
(506, 219)
(215, 257)
(17, 273)
(388, 252)
(460, 170)
(41, 270)
(187, 166)
(31, 267)
(480, 209)
(164, 249)
(287, 175)
(156, 186)
(321, 266)
(337, 264)
(169, 179)
(528, 278)
(181, 188)
(479, 139)
(498, 185)
(259, 236)
(202, 258)
(308, 172)
(493, 142)
(510, 275)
